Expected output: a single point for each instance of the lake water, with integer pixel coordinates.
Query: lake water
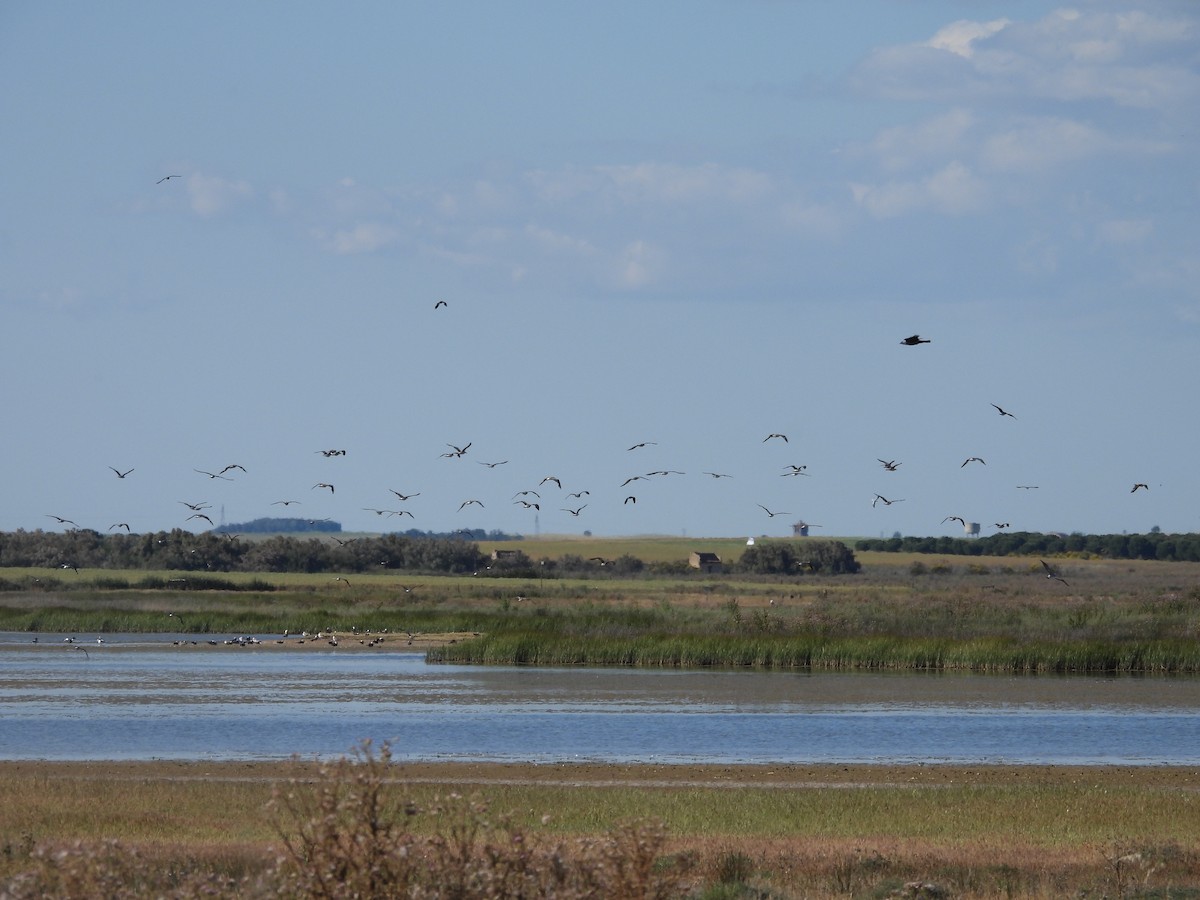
(140, 698)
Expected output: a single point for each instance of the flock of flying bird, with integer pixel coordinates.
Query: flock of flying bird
(533, 498)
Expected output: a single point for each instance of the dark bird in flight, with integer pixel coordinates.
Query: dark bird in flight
(665, 472)
(642, 444)
(633, 478)
(971, 459)
(884, 500)
(1004, 412)
(772, 514)
(121, 474)
(889, 464)
(958, 519)
(1140, 484)
(439, 304)
(1051, 572)
(718, 474)
(527, 505)
(599, 559)
(346, 580)
(61, 520)
(467, 503)
(379, 512)
(70, 566)
(404, 497)
(231, 467)
(913, 339)
(1000, 525)
(124, 525)
(212, 474)
(201, 516)
(630, 499)
(579, 494)
(167, 178)
(196, 507)
(551, 478)
(322, 484)
(284, 502)
(329, 453)
(574, 512)
(492, 465)
(458, 451)
(775, 435)
(1028, 487)
(795, 470)
(526, 494)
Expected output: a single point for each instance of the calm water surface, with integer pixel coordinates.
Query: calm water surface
(140, 698)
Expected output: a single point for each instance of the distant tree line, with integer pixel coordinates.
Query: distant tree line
(180, 550)
(1155, 545)
(276, 525)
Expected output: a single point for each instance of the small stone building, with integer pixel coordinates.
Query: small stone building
(708, 563)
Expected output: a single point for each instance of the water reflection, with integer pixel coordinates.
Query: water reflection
(138, 699)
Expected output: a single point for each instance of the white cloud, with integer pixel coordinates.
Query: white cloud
(638, 264)
(1133, 60)
(952, 190)
(935, 138)
(958, 37)
(211, 194)
(362, 238)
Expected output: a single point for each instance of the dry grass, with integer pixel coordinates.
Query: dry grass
(372, 829)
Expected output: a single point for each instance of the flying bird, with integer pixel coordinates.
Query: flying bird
(642, 444)
(1000, 525)
(579, 494)
(527, 505)
(772, 514)
(167, 178)
(775, 435)
(1004, 412)
(1051, 572)
(458, 451)
(196, 507)
(630, 499)
(913, 339)
(404, 497)
(889, 464)
(574, 512)
(439, 304)
(958, 519)
(971, 459)
(718, 474)
(201, 516)
(212, 474)
(467, 503)
(61, 520)
(633, 478)
(884, 500)
(550, 478)
(1028, 487)
(329, 453)
(231, 467)
(795, 470)
(492, 465)
(124, 525)
(284, 502)
(121, 474)
(322, 484)
(527, 493)
(1140, 484)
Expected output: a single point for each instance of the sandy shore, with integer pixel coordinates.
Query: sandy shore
(461, 774)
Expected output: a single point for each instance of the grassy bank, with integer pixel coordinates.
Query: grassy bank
(990, 615)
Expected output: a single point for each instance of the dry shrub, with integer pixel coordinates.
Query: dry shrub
(352, 835)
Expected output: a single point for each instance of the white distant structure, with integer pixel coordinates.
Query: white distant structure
(971, 528)
(749, 542)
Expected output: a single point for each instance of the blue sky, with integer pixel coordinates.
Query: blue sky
(687, 224)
